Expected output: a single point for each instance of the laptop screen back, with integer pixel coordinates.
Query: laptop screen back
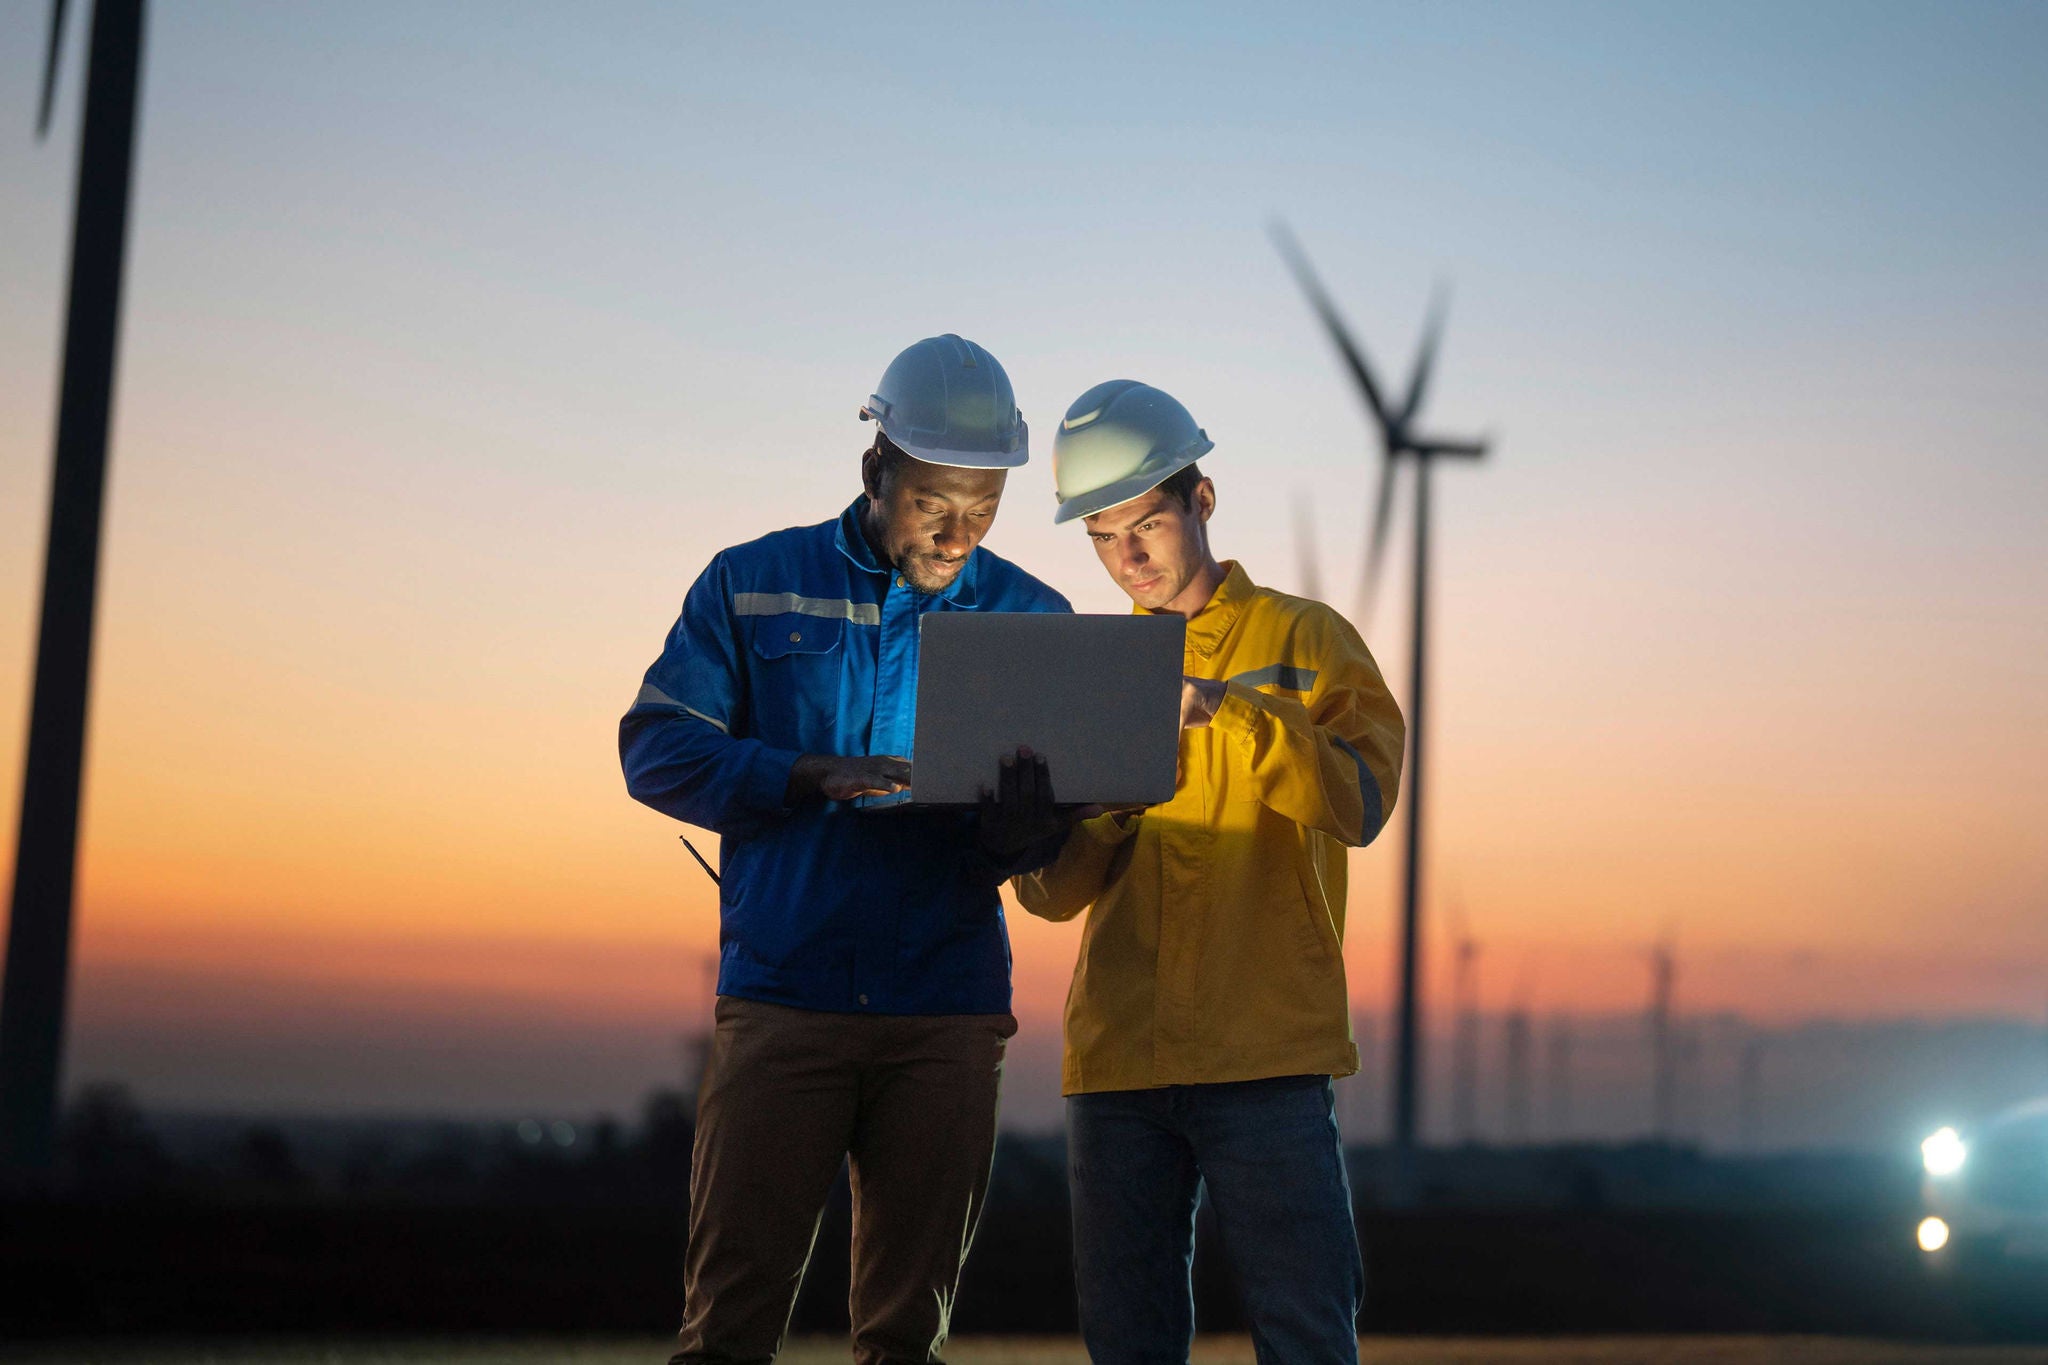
(1099, 696)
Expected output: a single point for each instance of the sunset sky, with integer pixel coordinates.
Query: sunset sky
(459, 337)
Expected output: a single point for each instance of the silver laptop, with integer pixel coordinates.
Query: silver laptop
(1099, 696)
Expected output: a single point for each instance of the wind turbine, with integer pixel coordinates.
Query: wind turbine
(1557, 1079)
(1464, 1029)
(1465, 1038)
(1518, 1044)
(1399, 439)
(1663, 1040)
(46, 853)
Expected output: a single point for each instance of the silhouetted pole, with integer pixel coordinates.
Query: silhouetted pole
(1685, 1073)
(1407, 1042)
(1465, 1042)
(39, 926)
(1749, 1095)
(1663, 1049)
(1515, 1109)
(1559, 1103)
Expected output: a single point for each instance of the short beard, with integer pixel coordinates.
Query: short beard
(916, 574)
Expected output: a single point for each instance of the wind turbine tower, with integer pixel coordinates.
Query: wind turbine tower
(1515, 1058)
(1663, 1043)
(1557, 1080)
(1749, 1094)
(1465, 1035)
(46, 849)
(1399, 441)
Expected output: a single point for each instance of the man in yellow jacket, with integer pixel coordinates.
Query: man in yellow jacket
(1209, 1012)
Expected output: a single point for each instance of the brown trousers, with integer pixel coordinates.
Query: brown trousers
(787, 1095)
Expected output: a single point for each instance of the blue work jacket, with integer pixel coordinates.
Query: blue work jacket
(803, 642)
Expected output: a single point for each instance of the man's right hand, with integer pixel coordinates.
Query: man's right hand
(840, 778)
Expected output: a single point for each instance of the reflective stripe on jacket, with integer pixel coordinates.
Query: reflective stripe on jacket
(1214, 949)
(802, 642)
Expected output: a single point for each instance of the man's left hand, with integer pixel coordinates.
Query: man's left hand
(1199, 698)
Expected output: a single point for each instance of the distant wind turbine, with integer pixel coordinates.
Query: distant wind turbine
(1464, 1030)
(1517, 1062)
(1515, 1047)
(1399, 439)
(46, 852)
(1664, 1049)
(1558, 1079)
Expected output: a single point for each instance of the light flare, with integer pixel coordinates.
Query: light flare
(1943, 1152)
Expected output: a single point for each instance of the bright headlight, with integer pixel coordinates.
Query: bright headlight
(1943, 1152)
(1933, 1234)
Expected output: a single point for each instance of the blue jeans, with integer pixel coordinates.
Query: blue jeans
(1269, 1154)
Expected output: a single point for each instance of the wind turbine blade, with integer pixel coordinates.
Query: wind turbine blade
(1376, 551)
(50, 66)
(1425, 354)
(1305, 546)
(1305, 276)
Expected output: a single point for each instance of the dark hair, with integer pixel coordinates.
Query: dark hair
(1182, 486)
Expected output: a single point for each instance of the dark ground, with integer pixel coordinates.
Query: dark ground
(180, 1268)
(474, 1232)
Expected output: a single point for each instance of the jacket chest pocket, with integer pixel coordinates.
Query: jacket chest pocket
(798, 662)
(794, 634)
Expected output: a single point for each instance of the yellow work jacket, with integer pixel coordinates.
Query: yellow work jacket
(1213, 951)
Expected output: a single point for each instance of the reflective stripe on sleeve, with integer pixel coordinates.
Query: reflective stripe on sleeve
(650, 695)
(1369, 793)
(1286, 677)
(719, 725)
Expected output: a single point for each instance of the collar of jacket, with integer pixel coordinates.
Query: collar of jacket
(1210, 627)
(853, 543)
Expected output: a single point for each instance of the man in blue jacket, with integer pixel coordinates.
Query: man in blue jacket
(864, 973)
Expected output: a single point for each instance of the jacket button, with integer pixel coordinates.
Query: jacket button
(796, 637)
(899, 580)
(863, 1000)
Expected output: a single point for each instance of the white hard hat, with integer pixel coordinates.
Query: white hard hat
(947, 401)
(1120, 441)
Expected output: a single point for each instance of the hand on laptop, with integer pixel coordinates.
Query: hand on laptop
(840, 778)
(1019, 810)
(1199, 698)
